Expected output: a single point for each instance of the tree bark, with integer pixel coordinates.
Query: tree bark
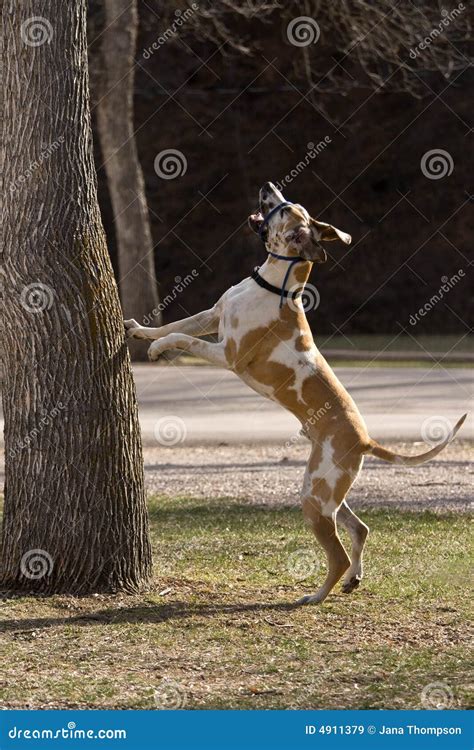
(75, 515)
(138, 286)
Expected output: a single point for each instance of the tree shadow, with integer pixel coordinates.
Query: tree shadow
(154, 614)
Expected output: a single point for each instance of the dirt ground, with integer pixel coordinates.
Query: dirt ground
(274, 474)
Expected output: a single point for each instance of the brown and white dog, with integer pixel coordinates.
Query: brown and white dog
(266, 340)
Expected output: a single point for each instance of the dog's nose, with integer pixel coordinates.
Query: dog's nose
(267, 190)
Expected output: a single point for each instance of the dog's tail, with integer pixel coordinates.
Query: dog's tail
(396, 458)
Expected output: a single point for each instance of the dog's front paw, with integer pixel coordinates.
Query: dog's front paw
(132, 329)
(154, 351)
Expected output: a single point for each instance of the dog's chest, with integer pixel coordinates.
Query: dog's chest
(265, 347)
(246, 308)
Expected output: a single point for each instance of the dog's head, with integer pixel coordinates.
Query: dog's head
(289, 229)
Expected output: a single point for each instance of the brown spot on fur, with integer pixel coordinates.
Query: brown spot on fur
(234, 321)
(321, 490)
(256, 344)
(343, 486)
(304, 342)
(311, 508)
(302, 272)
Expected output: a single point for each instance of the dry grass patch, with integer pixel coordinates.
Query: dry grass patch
(218, 630)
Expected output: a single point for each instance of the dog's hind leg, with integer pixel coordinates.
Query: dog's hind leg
(358, 533)
(325, 531)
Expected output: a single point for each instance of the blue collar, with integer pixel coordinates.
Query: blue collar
(269, 216)
(292, 261)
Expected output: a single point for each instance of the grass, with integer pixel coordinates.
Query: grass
(215, 629)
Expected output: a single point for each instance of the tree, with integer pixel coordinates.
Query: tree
(138, 286)
(398, 46)
(75, 515)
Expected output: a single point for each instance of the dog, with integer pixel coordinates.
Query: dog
(264, 337)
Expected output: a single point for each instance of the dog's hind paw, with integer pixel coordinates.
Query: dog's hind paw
(351, 585)
(310, 599)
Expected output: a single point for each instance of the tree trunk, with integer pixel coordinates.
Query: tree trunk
(138, 287)
(75, 515)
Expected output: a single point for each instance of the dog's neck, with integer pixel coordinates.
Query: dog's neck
(274, 272)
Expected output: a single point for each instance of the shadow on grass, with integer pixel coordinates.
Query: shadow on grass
(144, 614)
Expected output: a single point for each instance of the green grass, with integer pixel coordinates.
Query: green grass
(215, 630)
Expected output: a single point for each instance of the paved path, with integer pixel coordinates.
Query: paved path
(215, 406)
(240, 445)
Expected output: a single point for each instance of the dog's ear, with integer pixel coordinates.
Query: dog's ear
(304, 243)
(326, 232)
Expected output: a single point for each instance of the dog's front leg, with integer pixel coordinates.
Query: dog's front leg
(196, 325)
(213, 353)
